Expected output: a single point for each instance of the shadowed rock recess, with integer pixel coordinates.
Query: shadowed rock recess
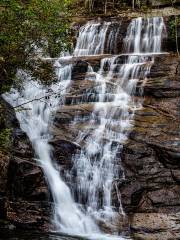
(150, 159)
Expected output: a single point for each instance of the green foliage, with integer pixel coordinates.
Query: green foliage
(25, 24)
(30, 24)
(5, 128)
(172, 24)
(92, 5)
(43, 71)
(5, 136)
(173, 28)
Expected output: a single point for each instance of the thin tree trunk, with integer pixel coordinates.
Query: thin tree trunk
(105, 7)
(113, 4)
(176, 30)
(133, 4)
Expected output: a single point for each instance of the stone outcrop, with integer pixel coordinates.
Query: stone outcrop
(151, 157)
(146, 226)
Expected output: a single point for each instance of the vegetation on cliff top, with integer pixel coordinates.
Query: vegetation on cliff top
(27, 26)
(103, 6)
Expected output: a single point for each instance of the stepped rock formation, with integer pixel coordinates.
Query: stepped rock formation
(150, 192)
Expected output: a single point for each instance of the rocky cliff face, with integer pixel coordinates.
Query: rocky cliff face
(150, 193)
(150, 158)
(24, 196)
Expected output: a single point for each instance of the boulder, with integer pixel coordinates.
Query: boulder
(162, 3)
(153, 226)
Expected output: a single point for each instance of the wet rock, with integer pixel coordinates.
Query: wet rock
(79, 70)
(26, 181)
(155, 226)
(29, 215)
(28, 193)
(4, 163)
(151, 156)
(24, 194)
(3, 210)
(63, 152)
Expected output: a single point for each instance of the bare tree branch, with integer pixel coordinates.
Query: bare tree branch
(38, 99)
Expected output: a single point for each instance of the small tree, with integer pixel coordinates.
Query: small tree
(25, 24)
(176, 27)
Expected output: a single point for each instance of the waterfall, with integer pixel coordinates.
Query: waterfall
(144, 35)
(34, 120)
(98, 164)
(95, 37)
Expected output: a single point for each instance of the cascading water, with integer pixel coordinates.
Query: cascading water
(145, 35)
(98, 164)
(95, 37)
(34, 120)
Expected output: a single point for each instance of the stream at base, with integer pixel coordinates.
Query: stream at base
(33, 235)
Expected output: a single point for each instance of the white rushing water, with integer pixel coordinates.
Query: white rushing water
(95, 37)
(145, 35)
(98, 164)
(34, 120)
